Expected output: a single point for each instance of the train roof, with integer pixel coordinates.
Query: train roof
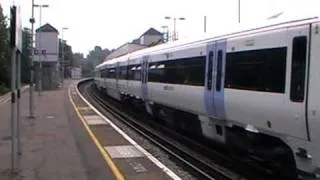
(240, 31)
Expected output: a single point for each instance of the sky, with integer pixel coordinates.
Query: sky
(111, 23)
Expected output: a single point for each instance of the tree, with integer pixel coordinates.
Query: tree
(77, 58)
(87, 68)
(94, 58)
(4, 62)
(67, 61)
(97, 55)
(25, 55)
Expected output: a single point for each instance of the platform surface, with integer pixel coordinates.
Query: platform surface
(127, 158)
(55, 145)
(69, 139)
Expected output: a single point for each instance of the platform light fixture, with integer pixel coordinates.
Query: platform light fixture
(62, 53)
(40, 6)
(174, 34)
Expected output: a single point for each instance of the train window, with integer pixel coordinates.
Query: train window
(161, 66)
(257, 70)
(127, 73)
(156, 74)
(104, 73)
(209, 74)
(219, 70)
(112, 73)
(131, 75)
(152, 67)
(117, 72)
(180, 71)
(298, 68)
(137, 73)
(123, 72)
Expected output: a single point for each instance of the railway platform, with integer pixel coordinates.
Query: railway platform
(69, 139)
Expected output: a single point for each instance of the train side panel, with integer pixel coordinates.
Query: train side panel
(264, 107)
(134, 88)
(182, 97)
(112, 90)
(313, 146)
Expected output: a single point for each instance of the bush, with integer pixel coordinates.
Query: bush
(3, 89)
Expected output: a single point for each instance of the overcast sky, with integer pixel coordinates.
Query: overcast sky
(110, 24)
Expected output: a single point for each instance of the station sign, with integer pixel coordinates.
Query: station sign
(15, 28)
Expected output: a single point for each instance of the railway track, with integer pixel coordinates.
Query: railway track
(174, 144)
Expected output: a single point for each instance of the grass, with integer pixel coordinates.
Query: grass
(3, 89)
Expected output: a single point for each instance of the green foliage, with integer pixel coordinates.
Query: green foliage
(5, 56)
(67, 62)
(87, 68)
(97, 55)
(25, 56)
(94, 58)
(3, 89)
(4, 62)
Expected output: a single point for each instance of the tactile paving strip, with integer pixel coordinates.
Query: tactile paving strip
(126, 151)
(94, 120)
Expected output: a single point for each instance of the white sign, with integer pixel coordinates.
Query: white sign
(18, 29)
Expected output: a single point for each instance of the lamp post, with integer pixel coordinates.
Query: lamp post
(238, 11)
(205, 24)
(62, 53)
(174, 25)
(32, 21)
(40, 50)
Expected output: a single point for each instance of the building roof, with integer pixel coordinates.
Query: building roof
(123, 50)
(47, 28)
(136, 41)
(152, 32)
(134, 45)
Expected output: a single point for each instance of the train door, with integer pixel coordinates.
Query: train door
(144, 78)
(127, 77)
(296, 98)
(214, 81)
(209, 92)
(104, 76)
(117, 75)
(218, 79)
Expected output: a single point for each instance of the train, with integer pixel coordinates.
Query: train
(255, 91)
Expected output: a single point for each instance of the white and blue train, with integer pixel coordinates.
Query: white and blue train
(256, 91)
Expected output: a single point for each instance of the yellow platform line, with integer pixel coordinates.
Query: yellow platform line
(116, 172)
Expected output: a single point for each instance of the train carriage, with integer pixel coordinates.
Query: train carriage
(254, 90)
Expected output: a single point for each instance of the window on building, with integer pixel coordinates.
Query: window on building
(257, 70)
